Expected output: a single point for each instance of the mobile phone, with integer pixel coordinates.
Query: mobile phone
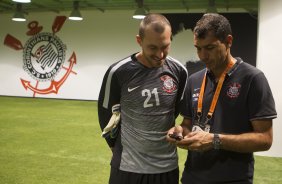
(176, 136)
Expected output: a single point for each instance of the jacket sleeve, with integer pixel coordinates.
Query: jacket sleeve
(109, 95)
(183, 77)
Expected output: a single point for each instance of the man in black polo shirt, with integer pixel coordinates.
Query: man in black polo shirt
(228, 111)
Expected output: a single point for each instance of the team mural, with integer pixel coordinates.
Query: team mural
(43, 57)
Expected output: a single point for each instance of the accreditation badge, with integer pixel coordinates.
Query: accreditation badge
(207, 128)
(197, 126)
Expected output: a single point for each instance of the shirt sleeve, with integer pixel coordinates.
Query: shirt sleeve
(181, 90)
(109, 95)
(260, 99)
(186, 105)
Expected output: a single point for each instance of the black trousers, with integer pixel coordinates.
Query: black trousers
(122, 177)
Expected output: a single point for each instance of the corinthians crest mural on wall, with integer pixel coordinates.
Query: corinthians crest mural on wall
(44, 56)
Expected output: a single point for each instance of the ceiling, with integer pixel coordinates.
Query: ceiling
(8, 6)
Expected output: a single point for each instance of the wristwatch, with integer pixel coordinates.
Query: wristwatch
(216, 141)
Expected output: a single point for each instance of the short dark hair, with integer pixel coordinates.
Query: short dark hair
(158, 21)
(215, 23)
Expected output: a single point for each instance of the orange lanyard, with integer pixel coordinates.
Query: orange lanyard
(215, 96)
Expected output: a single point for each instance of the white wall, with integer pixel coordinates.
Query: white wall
(270, 62)
(98, 41)
(182, 47)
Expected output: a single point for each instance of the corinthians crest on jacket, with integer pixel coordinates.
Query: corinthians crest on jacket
(168, 84)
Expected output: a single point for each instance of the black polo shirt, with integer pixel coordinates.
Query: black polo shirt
(245, 96)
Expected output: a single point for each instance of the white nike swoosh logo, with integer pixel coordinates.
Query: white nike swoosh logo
(131, 89)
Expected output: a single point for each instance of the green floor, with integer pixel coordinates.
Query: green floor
(45, 141)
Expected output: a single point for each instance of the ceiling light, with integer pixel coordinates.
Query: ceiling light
(22, 1)
(19, 15)
(75, 14)
(140, 12)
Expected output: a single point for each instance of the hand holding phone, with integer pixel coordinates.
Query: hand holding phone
(176, 136)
